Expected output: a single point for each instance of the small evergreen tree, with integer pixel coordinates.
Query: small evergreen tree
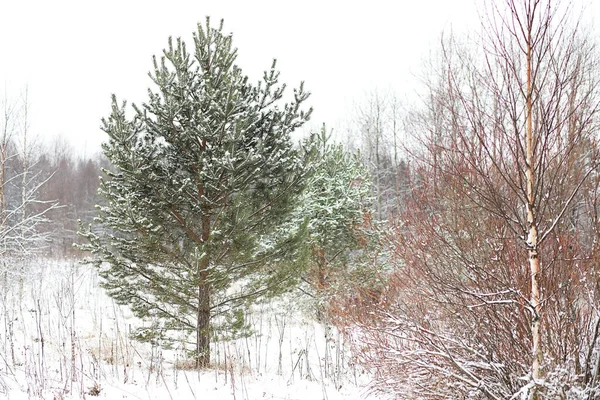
(201, 176)
(335, 206)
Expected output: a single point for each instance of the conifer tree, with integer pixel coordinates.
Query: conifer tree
(201, 175)
(336, 206)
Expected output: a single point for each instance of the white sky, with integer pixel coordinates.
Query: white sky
(72, 55)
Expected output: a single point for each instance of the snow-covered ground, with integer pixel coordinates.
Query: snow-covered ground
(62, 337)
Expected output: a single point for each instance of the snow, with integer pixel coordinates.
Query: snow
(70, 341)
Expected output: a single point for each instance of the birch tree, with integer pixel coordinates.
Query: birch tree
(22, 212)
(495, 292)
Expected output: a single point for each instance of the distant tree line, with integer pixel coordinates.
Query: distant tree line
(45, 189)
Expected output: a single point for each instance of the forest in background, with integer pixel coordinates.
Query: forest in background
(46, 188)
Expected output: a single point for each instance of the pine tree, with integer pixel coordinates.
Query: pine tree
(335, 206)
(202, 174)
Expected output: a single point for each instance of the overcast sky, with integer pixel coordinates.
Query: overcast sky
(72, 55)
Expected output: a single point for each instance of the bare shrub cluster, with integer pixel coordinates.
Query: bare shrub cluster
(492, 290)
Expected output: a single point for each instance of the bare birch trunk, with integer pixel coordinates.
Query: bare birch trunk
(25, 166)
(2, 180)
(3, 148)
(532, 238)
(23, 197)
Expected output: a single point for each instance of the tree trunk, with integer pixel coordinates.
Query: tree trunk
(23, 200)
(203, 311)
(319, 255)
(532, 237)
(2, 182)
(203, 323)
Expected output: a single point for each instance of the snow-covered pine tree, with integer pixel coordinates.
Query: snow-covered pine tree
(201, 174)
(336, 206)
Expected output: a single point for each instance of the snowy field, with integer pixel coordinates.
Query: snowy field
(61, 337)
